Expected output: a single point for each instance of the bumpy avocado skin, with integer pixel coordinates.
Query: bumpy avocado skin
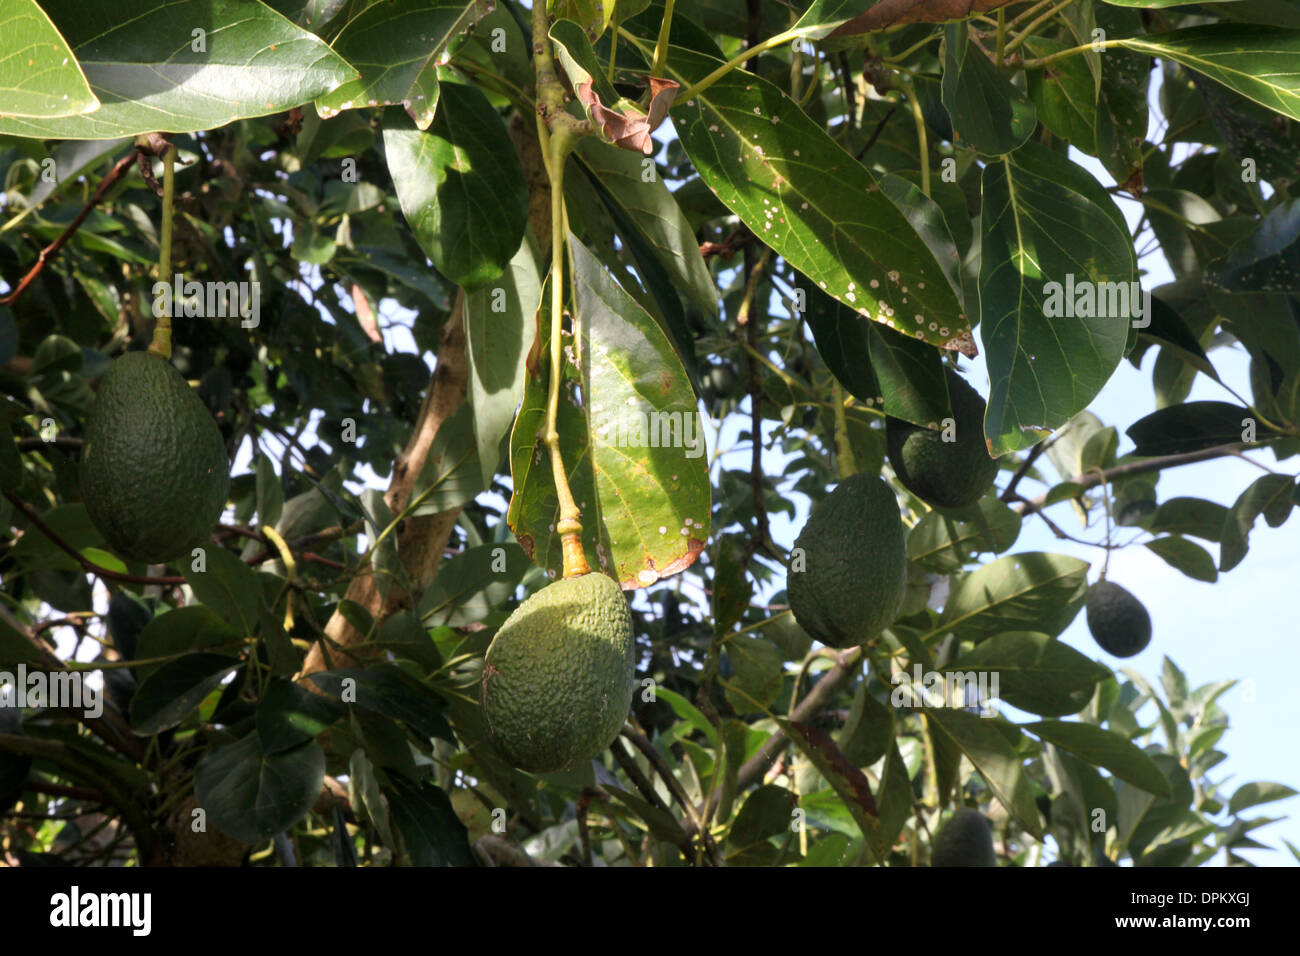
(854, 564)
(558, 676)
(154, 472)
(1119, 623)
(965, 840)
(944, 474)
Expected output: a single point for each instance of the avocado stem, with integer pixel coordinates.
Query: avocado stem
(162, 330)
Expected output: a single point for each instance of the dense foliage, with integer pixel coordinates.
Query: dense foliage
(840, 199)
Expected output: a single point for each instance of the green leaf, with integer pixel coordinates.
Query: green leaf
(387, 689)
(270, 492)
(192, 628)
(170, 693)
(1035, 672)
(1028, 591)
(634, 184)
(813, 203)
(38, 75)
(944, 542)
(1185, 556)
(988, 112)
(252, 796)
(289, 715)
(367, 798)
(1103, 748)
(1268, 260)
(1253, 794)
(688, 712)
(1261, 63)
(878, 365)
(395, 46)
(982, 743)
(1064, 94)
(869, 731)
(451, 475)
(1168, 328)
(767, 812)
(1047, 225)
(229, 587)
(758, 673)
(461, 187)
(472, 584)
(1190, 426)
(1194, 516)
(634, 451)
(431, 831)
(500, 322)
(1271, 496)
(249, 61)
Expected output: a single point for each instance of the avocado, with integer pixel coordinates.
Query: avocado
(1119, 623)
(154, 471)
(848, 571)
(965, 840)
(558, 675)
(944, 474)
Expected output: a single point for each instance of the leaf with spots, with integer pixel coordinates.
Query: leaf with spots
(630, 439)
(813, 203)
(1055, 253)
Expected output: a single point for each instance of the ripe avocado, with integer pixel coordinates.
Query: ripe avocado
(965, 840)
(1118, 621)
(952, 474)
(848, 570)
(558, 675)
(154, 472)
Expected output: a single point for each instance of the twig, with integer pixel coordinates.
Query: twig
(1034, 454)
(90, 567)
(49, 252)
(1095, 477)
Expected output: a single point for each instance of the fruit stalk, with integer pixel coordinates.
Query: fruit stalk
(162, 330)
(569, 526)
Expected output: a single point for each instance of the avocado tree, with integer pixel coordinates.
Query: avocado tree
(492, 307)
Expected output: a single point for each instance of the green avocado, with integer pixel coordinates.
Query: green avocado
(154, 471)
(965, 840)
(558, 675)
(944, 474)
(1119, 623)
(848, 570)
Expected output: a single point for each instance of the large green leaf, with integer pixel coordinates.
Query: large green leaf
(988, 112)
(229, 587)
(1049, 234)
(168, 695)
(1268, 260)
(813, 203)
(451, 474)
(38, 74)
(1035, 672)
(500, 322)
(387, 689)
(1031, 591)
(634, 183)
(1259, 62)
(985, 745)
(1189, 427)
(461, 187)
(1103, 748)
(395, 46)
(633, 452)
(431, 831)
(472, 584)
(252, 796)
(878, 365)
(943, 542)
(141, 61)
(1185, 556)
